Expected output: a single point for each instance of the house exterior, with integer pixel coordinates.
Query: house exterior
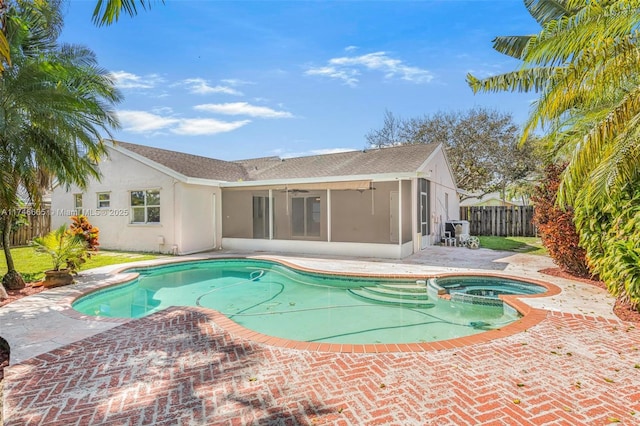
(388, 202)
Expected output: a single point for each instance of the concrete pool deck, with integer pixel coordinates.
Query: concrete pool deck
(578, 365)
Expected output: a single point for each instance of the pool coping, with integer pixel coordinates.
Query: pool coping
(530, 315)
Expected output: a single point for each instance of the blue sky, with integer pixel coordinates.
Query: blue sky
(244, 79)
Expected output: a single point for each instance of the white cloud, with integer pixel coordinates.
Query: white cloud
(127, 80)
(201, 86)
(206, 126)
(350, 48)
(243, 108)
(144, 122)
(346, 68)
(236, 82)
(348, 76)
(162, 110)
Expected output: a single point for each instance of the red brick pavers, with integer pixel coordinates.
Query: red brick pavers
(178, 367)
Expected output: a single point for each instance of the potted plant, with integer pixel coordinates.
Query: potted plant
(66, 250)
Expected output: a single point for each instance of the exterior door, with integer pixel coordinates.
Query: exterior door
(424, 220)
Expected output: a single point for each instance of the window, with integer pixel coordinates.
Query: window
(104, 200)
(145, 206)
(305, 216)
(77, 201)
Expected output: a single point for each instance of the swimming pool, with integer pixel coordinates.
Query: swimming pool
(279, 301)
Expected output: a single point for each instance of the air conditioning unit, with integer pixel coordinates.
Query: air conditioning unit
(450, 227)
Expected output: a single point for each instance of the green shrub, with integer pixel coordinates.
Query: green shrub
(610, 233)
(555, 225)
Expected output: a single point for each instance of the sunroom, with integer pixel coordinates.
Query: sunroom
(366, 217)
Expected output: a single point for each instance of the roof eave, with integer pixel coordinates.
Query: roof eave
(148, 162)
(381, 177)
(204, 182)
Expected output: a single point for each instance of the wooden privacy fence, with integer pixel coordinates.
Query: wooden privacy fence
(501, 221)
(39, 224)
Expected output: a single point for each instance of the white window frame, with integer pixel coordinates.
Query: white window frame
(105, 203)
(76, 198)
(144, 207)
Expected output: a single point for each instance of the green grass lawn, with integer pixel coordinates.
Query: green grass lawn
(530, 245)
(32, 264)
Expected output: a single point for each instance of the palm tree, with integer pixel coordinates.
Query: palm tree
(585, 63)
(55, 101)
(106, 12)
(5, 56)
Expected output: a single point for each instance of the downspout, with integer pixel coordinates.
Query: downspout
(400, 213)
(415, 204)
(174, 247)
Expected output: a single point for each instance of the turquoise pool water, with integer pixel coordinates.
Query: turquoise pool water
(278, 301)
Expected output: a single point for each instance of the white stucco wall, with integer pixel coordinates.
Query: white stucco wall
(199, 228)
(442, 182)
(120, 175)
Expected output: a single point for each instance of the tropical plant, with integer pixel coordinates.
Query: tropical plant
(555, 225)
(106, 12)
(56, 101)
(585, 65)
(63, 247)
(81, 227)
(610, 235)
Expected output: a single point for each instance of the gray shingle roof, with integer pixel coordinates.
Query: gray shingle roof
(190, 165)
(399, 159)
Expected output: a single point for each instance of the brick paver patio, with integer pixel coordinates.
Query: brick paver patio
(178, 367)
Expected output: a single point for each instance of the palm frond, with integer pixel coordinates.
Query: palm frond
(5, 52)
(512, 46)
(605, 140)
(107, 12)
(524, 80)
(56, 104)
(562, 39)
(544, 11)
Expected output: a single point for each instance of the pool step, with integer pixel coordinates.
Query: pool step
(406, 300)
(398, 292)
(404, 287)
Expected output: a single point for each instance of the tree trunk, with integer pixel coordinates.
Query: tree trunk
(12, 280)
